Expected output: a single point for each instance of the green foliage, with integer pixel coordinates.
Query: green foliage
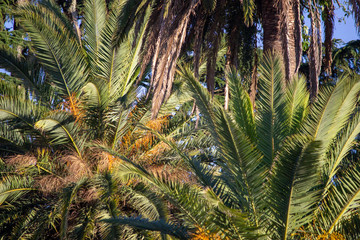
(278, 172)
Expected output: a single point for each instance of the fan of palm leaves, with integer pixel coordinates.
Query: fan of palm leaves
(278, 172)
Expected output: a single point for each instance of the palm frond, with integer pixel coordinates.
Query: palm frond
(296, 104)
(62, 128)
(271, 117)
(342, 200)
(69, 195)
(293, 195)
(19, 67)
(13, 187)
(159, 225)
(332, 109)
(340, 148)
(57, 51)
(94, 23)
(241, 106)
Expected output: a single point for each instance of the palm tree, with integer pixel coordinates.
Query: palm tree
(281, 172)
(89, 83)
(174, 25)
(177, 26)
(67, 96)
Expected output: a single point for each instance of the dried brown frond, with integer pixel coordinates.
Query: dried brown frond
(88, 194)
(77, 168)
(20, 161)
(173, 173)
(50, 184)
(102, 161)
(153, 154)
(198, 40)
(213, 43)
(151, 32)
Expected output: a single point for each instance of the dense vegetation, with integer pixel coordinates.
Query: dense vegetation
(108, 131)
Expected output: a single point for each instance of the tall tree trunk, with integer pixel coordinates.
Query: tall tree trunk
(254, 79)
(282, 32)
(329, 30)
(74, 16)
(315, 51)
(199, 32)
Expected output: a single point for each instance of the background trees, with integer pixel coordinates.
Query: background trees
(81, 155)
(293, 182)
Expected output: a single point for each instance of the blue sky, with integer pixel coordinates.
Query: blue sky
(345, 30)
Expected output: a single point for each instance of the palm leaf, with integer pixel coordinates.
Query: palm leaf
(13, 187)
(159, 225)
(271, 119)
(292, 196)
(57, 51)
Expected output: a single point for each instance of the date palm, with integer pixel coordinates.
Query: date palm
(69, 94)
(280, 172)
(89, 83)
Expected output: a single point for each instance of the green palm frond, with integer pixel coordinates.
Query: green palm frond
(19, 67)
(271, 120)
(10, 139)
(62, 19)
(94, 22)
(293, 195)
(23, 227)
(241, 106)
(159, 225)
(332, 109)
(68, 197)
(12, 188)
(202, 98)
(19, 117)
(296, 104)
(26, 112)
(55, 47)
(240, 159)
(148, 204)
(340, 148)
(249, 11)
(342, 200)
(61, 128)
(86, 227)
(11, 89)
(130, 11)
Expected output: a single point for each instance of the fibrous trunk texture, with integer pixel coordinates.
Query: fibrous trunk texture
(173, 20)
(329, 30)
(315, 53)
(282, 32)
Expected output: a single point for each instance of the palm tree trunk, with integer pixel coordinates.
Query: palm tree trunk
(329, 30)
(74, 17)
(282, 32)
(254, 80)
(315, 52)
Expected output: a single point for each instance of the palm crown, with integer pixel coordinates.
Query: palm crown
(70, 94)
(279, 172)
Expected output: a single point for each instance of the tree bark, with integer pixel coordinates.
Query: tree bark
(74, 16)
(282, 32)
(254, 80)
(315, 52)
(329, 30)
